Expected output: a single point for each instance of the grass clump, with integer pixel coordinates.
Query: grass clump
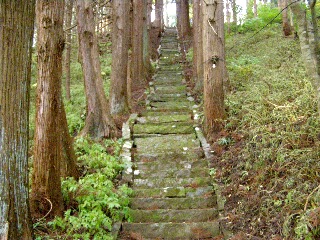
(270, 165)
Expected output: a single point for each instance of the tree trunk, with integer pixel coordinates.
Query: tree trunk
(286, 27)
(98, 122)
(138, 77)
(158, 21)
(197, 46)
(68, 21)
(213, 53)
(234, 11)
(255, 8)
(46, 197)
(183, 21)
(307, 48)
(120, 47)
(228, 15)
(16, 33)
(146, 39)
(68, 167)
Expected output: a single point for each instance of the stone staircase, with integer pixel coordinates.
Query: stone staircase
(173, 193)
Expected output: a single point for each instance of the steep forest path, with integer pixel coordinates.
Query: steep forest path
(173, 193)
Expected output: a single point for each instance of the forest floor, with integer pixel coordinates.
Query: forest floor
(267, 156)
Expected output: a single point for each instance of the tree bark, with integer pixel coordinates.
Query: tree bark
(120, 47)
(158, 21)
(46, 197)
(197, 46)
(213, 53)
(255, 8)
(16, 33)
(234, 12)
(286, 27)
(307, 48)
(98, 123)
(183, 21)
(69, 7)
(138, 76)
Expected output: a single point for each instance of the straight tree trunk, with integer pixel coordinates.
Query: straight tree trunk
(234, 12)
(16, 33)
(228, 15)
(307, 48)
(46, 196)
(138, 77)
(120, 47)
(286, 27)
(69, 7)
(158, 21)
(146, 39)
(183, 21)
(213, 56)
(99, 122)
(197, 46)
(255, 8)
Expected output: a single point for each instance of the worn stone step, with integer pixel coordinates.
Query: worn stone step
(165, 119)
(172, 173)
(185, 231)
(172, 182)
(173, 156)
(173, 203)
(168, 97)
(163, 128)
(170, 106)
(170, 163)
(171, 215)
(173, 192)
(171, 89)
(181, 143)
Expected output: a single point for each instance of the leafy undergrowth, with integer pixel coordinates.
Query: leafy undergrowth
(268, 155)
(94, 202)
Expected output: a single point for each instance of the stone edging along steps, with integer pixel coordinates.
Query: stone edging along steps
(174, 194)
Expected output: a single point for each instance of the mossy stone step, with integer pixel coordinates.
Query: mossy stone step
(185, 231)
(169, 163)
(181, 143)
(173, 192)
(173, 156)
(162, 128)
(172, 182)
(172, 173)
(165, 119)
(170, 105)
(173, 203)
(168, 97)
(170, 89)
(170, 215)
(158, 112)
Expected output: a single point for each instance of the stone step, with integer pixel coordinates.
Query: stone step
(167, 97)
(163, 128)
(165, 119)
(181, 143)
(173, 192)
(172, 182)
(170, 105)
(173, 203)
(172, 173)
(175, 216)
(173, 156)
(171, 89)
(156, 112)
(185, 231)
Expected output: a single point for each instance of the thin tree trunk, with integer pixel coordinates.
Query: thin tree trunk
(68, 16)
(138, 77)
(234, 12)
(286, 28)
(146, 39)
(228, 15)
(158, 21)
(16, 33)
(214, 62)
(99, 122)
(46, 196)
(120, 48)
(255, 8)
(198, 46)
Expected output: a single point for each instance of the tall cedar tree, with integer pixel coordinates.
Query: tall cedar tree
(120, 47)
(16, 31)
(197, 46)
(286, 27)
(183, 22)
(46, 183)
(98, 123)
(214, 65)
